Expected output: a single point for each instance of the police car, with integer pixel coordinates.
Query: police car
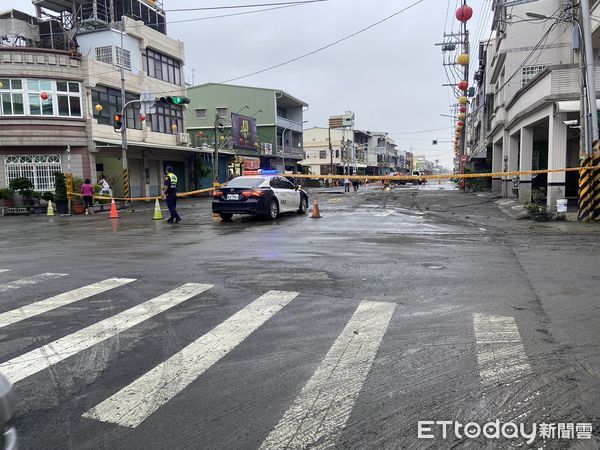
(261, 193)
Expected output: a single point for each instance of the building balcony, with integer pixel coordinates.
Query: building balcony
(288, 124)
(292, 153)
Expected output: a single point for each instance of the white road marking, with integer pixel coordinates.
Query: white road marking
(500, 352)
(319, 413)
(30, 280)
(66, 298)
(4, 270)
(42, 358)
(136, 402)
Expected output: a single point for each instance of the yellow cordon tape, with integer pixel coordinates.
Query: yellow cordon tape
(436, 177)
(371, 178)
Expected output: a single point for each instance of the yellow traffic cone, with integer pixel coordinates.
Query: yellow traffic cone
(157, 212)
(50, 209)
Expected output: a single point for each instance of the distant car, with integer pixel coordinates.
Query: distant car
(421, 175)
(8, 433)
(263, 193)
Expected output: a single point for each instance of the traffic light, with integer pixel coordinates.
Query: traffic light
(175, 100)
(118, 123)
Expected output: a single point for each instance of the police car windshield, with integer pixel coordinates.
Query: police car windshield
(245, 182)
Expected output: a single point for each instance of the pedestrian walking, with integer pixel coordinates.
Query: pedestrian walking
(346, 185)
(87, 190)
(104, 186)
(170, 194)
(355, 185)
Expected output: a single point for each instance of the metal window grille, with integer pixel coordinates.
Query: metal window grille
(200, 113)
(123, 57)
(37, 168)
(528, 72)
(105, 54)
(222, 112)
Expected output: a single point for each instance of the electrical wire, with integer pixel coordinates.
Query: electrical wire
(362, 30)
(419, 131)
(210, 8)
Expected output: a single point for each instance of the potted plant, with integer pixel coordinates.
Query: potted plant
(25, 188)
(37, 208)
(77, 206)
(6, 195)
(60, 193)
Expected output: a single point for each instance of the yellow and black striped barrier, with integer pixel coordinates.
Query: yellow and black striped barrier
(126, 183)
(596, 187)
(586, 190)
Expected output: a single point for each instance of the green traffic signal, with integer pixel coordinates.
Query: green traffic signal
(175, 100)
(180, 100)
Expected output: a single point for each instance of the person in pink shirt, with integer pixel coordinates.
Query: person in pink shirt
(87, 190)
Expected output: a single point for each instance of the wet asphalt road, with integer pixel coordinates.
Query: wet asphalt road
(445, 260)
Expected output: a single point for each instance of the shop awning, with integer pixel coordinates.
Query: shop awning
(572, 105)
(178, 148)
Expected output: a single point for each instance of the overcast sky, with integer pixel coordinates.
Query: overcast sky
(391, 75)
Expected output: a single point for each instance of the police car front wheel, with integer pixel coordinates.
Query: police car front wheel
(303, 205)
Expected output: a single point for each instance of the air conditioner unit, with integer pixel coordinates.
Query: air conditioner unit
(182, 138)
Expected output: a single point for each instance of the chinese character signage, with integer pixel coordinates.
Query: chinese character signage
(243, 132)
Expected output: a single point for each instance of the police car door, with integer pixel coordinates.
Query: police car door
(293, 196)
(280, 193)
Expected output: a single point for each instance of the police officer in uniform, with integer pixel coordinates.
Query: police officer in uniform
(170, 193)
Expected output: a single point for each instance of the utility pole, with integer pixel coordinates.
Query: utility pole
(330, 152)
(463, 146)
(216, 153)
(592, 115)
(124, 117)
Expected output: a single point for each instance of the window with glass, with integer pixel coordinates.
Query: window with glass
(39, 169)
(105, 54)
(38, 97)
(322, 154)
(162, 67)
(528, 72)
(165, 117)
(200, 113)
(110, 100)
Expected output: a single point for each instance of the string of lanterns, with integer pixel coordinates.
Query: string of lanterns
(463, 14)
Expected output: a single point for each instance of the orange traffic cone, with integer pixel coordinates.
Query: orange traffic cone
(113, 210)
(316, 214)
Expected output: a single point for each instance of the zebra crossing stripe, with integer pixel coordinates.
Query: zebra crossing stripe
(66, 298)
(30, 280)
(319, 413)
(136, 402)
(500, 352)
(44, 357)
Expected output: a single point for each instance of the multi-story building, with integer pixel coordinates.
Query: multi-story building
(346, 154)
(66, 70)
(534, 88)
(479, 147)
(279, 123)
(385, 154)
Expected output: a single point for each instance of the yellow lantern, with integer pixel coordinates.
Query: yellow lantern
(174, 127)
(462, 116)
(98, 107)
(462, 100)
(221, 138)
(1, 85)
(462, 59)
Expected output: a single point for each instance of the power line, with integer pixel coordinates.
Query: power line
(419, 131)
(210, 8)
(198, 19)
(362, 30)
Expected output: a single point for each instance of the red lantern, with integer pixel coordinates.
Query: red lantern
(142, 117)
(464, 13)
(460, 123)
(463, 85)
(200, 134)
(44, 96)
(463, 109)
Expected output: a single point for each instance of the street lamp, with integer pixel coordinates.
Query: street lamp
(283, 143)
(245, 107)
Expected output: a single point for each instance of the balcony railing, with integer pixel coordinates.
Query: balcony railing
(294, 153)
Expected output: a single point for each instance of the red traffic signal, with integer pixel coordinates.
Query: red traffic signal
(118, 123)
